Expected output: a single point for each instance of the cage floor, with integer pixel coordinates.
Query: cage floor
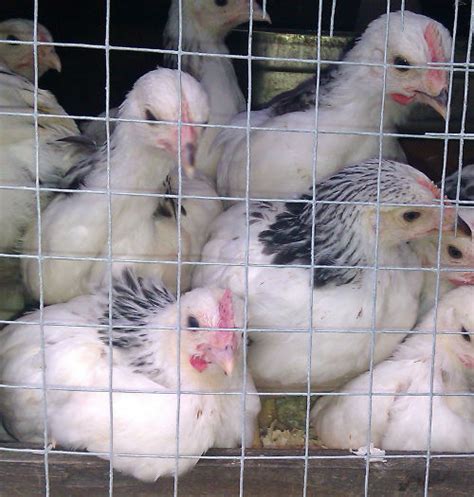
(336, 474)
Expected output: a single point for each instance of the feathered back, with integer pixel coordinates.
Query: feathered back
(338, 218)
(134, 298)
(17, 94)
(303, 96)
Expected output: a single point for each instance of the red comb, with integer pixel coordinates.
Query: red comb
(426, 183)
(226, 311)
(433, 40)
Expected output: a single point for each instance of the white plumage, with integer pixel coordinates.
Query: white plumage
(350, 101)
(456, 265)
(343, 299)
(401, 422)
(145, 359)
(142, 154)
(19, 58)
(196, 218)
(60, 146)
(204, 27)
(206, 23)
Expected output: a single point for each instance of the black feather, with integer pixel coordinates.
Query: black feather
(134, 301)
(466, 184)
(337, 234)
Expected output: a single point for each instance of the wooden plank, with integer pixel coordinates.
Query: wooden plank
(22, 475)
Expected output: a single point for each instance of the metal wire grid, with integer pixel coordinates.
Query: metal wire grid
(464, 67)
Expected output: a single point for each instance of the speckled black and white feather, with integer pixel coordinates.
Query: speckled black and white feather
(288, 238)
(134, 299)
(303, 96)
(76, 177)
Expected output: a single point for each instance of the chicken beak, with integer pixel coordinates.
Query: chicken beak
(50, 59)
(223, 348)
(189, 137)
(259, 14)
(188, 157)
(225, 358)
(439, 102)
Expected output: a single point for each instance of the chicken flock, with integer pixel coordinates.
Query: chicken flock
(175, 270)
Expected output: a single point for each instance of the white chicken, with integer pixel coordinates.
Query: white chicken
(146, 357)
(60, 146)
(204, 27)
(456, 265)
(19, 58)
(281, 162)
(141, 156)
(402, 385)
(339, 296)
(199, 208)
(206, 23)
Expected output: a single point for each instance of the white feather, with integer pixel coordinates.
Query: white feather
(282, 161)
(18, 156)
(77, 224)
(280, 297)
(401, 422)
(143, 422)
(456, 265)
(205, 26)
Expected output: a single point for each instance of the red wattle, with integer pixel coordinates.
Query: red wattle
(401, 99)
(429, 185)
(198, 362)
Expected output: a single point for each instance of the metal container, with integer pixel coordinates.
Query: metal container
(270, 77)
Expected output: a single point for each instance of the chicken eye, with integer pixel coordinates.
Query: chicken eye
(149, 116)
(401, 61)
(12, 38)
(220, 3)
(411, 216)
(465, 335)
(454, 252)
(193, 322)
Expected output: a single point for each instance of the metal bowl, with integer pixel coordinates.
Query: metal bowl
(270, 77)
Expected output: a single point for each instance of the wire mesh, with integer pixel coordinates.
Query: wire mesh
(464, 67)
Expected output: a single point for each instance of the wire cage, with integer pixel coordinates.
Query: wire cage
(304, 468)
